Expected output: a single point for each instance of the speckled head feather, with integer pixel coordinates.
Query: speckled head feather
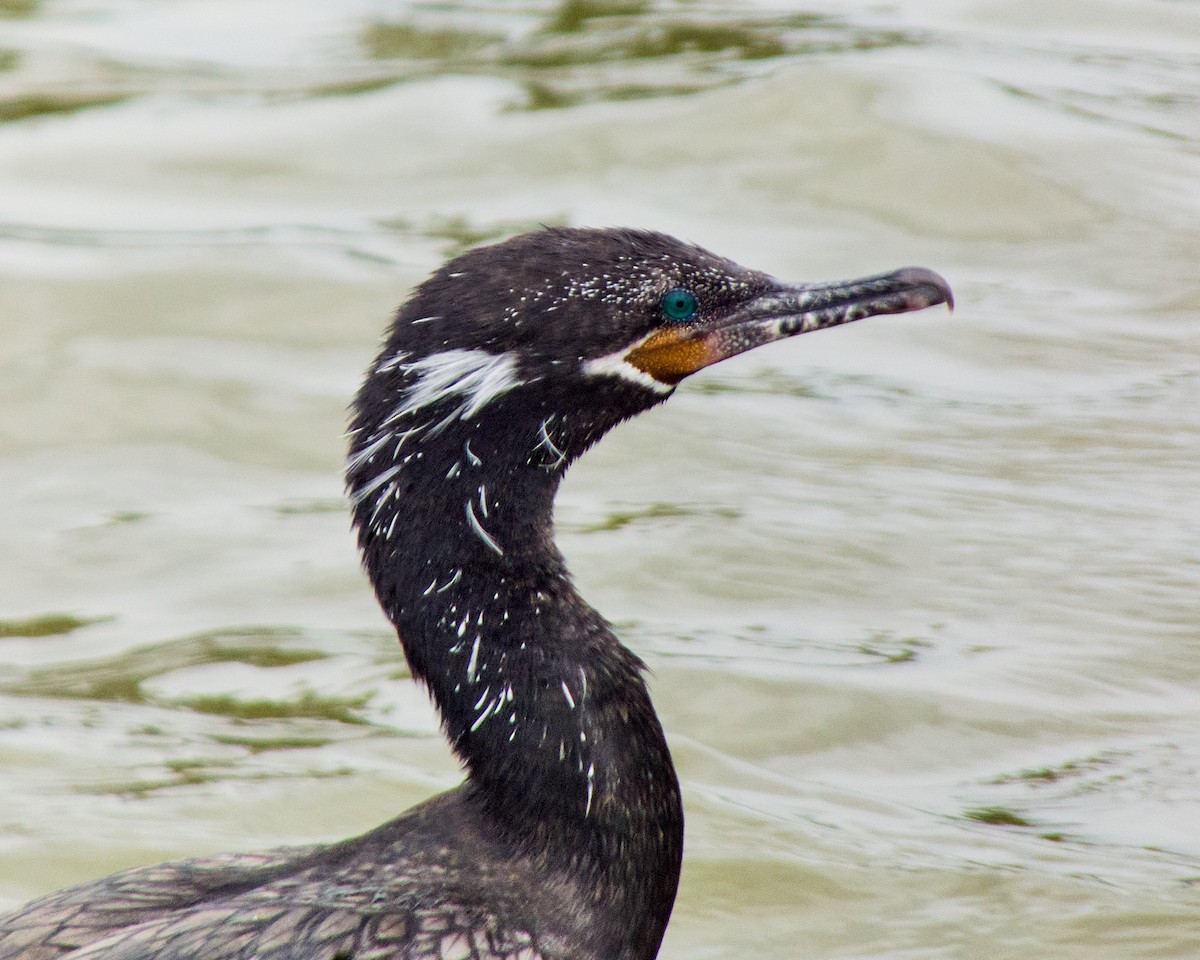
(561, 296)
(576, 319)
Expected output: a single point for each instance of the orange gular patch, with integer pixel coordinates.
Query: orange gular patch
(670, 355)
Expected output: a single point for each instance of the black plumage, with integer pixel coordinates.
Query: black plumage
(565, 840)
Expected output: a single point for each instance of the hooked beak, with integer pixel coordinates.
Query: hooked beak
(672, 353)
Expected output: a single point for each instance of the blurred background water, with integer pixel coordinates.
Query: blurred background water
(919, 594)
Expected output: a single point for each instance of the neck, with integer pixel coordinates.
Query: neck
(548, 711)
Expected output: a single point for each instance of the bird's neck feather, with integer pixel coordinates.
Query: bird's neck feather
(549, 712)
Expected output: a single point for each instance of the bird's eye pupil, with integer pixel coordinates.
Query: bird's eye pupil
(679, 304)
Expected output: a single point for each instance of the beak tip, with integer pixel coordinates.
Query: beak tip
(933, 285)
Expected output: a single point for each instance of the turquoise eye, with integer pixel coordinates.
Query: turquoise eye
(679, 304)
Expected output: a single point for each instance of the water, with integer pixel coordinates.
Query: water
(919, 594)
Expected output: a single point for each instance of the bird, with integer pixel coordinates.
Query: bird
(565, 840)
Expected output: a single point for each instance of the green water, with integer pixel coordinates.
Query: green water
(919, 594)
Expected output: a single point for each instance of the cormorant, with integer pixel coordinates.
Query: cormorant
(565, 840)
